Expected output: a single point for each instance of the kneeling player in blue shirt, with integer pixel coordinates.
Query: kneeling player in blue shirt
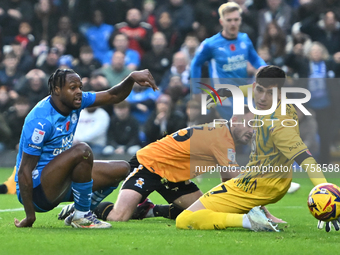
(49, 169)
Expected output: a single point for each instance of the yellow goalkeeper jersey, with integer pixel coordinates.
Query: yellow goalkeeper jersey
(276, 142)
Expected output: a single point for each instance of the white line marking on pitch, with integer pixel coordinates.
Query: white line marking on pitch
(21, 209)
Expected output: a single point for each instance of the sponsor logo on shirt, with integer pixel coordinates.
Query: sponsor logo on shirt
(34, 146)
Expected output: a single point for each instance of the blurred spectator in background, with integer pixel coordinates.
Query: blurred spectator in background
(138, 32)
(193, 113)
(164, 120)
(65, 62)
(73, 39)
(59, 42)
(122, 136)
(178, 92)
(276, 10)
(50, 64)
(190, 46)
(275, 40)
(120, 43)
(114, 11)
(206, 14)
(86, 63)
(249, 20)
(325, 30)
(299, 44)
(148, 13)
(12, 12)
(97, 82)
(164, 24)
(92, 129)
(264, 53)
(6, 100)
(179, 67)
(158, 60)
(316, 68)
(9, 74)
(142, 102)
(79, 12)
(98, 35)
(182, 15)
(5, 132)
(308, 127)
(26, 61)
(44, 21)
(25, 36)
(34, 86)
(117, 71)
(15, 118)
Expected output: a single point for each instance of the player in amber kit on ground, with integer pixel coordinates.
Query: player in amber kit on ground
(227, 204)
(167, 165)
(49, 169)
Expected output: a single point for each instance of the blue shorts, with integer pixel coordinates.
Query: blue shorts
(40, 202)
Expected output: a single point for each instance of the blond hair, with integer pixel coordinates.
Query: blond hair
(325, 54)
(228, 7)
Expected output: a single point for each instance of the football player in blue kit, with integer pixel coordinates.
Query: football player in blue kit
(49, 169)
(228, 53)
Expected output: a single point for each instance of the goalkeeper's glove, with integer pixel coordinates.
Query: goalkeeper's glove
(223, 94)
(336, 224)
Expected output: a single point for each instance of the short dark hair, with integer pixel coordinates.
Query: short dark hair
(271, 76)
(57, 79)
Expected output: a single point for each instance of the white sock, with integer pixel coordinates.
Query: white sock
(246, 222)
(79, 214)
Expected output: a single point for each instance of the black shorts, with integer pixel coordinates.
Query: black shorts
(144, 182)
(40, 202)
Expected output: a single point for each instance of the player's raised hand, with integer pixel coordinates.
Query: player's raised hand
(336, 224)
(144, 78)
(25, 223)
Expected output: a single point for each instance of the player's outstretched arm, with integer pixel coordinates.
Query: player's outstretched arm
(119, 92)
(27, 165)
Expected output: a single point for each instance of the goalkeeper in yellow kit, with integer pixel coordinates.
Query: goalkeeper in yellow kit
(268, 174)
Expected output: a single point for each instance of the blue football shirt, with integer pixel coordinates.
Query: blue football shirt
(227, 58)
(47, 133)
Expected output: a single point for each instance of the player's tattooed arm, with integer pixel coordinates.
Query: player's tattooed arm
(27, 165)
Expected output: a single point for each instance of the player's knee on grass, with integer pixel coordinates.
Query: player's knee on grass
(183, 220)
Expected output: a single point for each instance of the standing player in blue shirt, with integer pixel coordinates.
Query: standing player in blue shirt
(228, 53)
(49, 170)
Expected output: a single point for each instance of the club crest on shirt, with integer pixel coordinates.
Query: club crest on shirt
(140, 182)
(37, 136)
(74, 118)
(243, 45)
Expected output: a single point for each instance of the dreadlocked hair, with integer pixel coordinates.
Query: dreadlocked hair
(57, 79)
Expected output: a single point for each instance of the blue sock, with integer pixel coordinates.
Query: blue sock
(99, 195)
(82, 195)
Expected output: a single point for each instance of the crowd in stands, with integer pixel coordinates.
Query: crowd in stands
(105, 40)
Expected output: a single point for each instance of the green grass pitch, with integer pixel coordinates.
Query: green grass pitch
(160, 236)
